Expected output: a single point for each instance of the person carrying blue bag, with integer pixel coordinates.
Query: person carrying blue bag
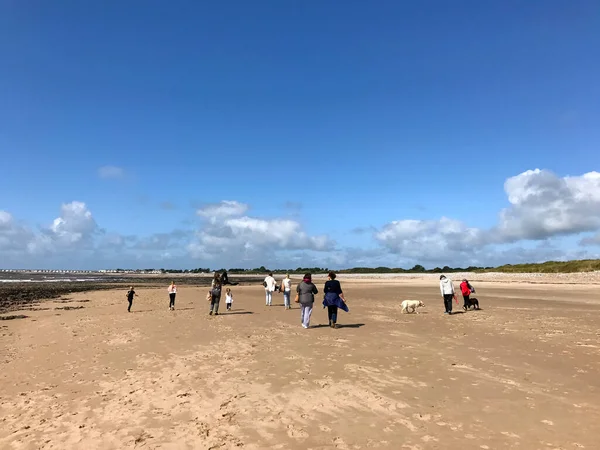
(334, 299)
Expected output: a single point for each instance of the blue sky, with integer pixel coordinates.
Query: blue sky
(344, 131)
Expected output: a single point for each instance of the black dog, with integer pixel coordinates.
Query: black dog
(473, 302)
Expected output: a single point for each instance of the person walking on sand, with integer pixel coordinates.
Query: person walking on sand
(172, 289)
(215, 295)
(269, 285)
(228, 299)
(334, 299)
(130, 294)
(305, 295)
(286, 288)
(465, 290)
(447, 290)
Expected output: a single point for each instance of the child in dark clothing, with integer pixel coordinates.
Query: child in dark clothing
(130, 294)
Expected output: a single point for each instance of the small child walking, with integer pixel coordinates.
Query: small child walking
(228, 299)
(130, 294)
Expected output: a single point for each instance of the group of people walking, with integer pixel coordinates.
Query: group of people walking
(448, 294)
(306, 290)
(305, 296)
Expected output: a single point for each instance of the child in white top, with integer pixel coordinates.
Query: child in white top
(228, 299)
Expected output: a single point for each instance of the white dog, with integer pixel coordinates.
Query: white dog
(411, 305)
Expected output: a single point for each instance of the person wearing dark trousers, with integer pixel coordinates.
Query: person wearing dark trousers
(447, 290)
(215, 293)
(465, 289)
(172, 293)
(448, 303)
(334, 299)
(130, 294)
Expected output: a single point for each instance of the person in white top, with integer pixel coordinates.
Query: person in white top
(172, 293)
(269, 285)
(447, 291)
(286, 287)
(228, 299)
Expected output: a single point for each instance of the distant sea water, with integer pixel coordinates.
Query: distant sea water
(32, 277)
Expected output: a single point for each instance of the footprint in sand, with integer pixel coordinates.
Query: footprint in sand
(407, 423)
(512, 435)
(296, 433)
(339, 443)
(324, 428)
(422, 417)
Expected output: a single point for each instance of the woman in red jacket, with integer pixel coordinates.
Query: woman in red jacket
(465, 289)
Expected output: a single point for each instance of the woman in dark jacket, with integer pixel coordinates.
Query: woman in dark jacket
(334, 299)
(215, 293)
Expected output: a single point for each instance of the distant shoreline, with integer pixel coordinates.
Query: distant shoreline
(18, 294)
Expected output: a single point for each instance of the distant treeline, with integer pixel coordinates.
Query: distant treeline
(587, 265)
(322, 270)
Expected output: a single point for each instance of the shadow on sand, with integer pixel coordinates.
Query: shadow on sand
(341, 325)
(350, 325)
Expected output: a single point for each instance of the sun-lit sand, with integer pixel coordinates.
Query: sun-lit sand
(520, 373)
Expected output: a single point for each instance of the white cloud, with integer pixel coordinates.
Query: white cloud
(74, 225)
(544, 205)
(224, 209)
(111, 172)
(14, 237)
(72, 230)
(227, 236)
(543, 210)
(429, 239)
(5, 219)
(228, 230)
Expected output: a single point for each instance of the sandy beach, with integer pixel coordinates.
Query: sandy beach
(79, 372)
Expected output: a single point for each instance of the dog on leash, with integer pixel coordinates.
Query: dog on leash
(473, 302)
(410, 306)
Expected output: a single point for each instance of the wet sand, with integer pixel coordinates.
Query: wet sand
(520, 373)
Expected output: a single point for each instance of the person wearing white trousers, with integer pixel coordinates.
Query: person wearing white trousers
(286, 287)
(269, 285)
(305, 313)
(306, 297)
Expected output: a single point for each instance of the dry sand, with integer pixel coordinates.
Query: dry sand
(521, 373)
